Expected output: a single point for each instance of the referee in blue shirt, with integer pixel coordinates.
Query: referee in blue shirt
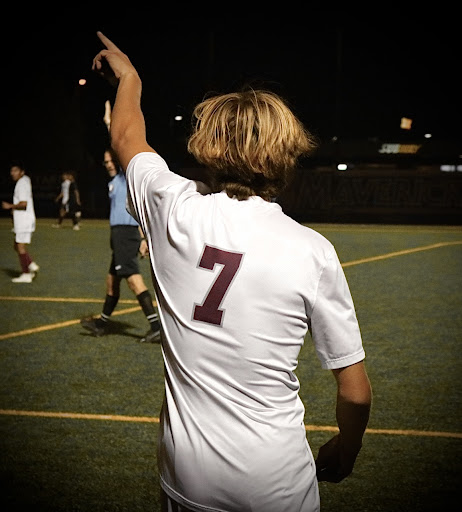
(127, 241)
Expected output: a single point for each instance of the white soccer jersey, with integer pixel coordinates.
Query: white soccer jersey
(24, 220)
(237, 283)
(65, 185)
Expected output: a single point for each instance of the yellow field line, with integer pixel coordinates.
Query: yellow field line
(381, 228)
(152, 419)
(393, 432)
(73, 322)
(80, 416)
(58, 325)
(424, 433)
(66, 299)
(400, 253)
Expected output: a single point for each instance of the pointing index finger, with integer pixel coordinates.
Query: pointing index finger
(106, 41)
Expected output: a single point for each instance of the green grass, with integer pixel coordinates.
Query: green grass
(409, 312)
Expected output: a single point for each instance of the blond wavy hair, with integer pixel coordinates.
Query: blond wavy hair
(249, 142)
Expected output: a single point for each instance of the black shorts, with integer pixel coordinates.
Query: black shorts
(125, 244)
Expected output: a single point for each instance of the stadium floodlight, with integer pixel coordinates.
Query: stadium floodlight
(82, 81)
(342, 167)
(406, 123)
(178, 118)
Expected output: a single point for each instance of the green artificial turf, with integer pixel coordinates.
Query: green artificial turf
(408, 307)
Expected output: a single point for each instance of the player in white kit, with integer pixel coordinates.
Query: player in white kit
(23, 212)
(239, 284)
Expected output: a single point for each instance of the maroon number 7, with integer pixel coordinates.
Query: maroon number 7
(210, 311)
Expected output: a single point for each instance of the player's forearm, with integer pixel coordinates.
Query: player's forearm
(127, 123)
(128, 131)
(337, 457)
(352, 420)
(354, 399)
(22, 205)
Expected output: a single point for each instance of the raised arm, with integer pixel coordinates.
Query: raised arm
(127, 130)
(336, 458)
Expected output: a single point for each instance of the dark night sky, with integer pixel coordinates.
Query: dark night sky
(342, 77)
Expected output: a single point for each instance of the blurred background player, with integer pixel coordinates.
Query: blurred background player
(69, 199)
(127, 240)
(23, 211)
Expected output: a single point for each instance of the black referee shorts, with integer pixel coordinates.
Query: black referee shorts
(125, 244)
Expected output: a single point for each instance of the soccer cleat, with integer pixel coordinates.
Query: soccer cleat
(24, 278)
(90, 325)
(76, 227)
(33, 267)
(151, 337)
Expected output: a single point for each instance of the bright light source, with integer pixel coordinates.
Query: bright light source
(178, 118)
(406, 123)
(342, 167)
(428, 135)
(82, 81)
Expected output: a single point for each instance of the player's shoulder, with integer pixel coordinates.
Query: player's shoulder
(310, 243)
(145, 158)
(316, 235)
(24, 182)
(309, 234)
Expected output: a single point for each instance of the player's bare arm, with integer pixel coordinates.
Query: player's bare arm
(337, 457)
(128, 131)
(144, 249)
(22, 205)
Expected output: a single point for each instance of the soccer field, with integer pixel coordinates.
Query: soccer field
(79, 415)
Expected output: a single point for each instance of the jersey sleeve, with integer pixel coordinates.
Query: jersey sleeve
(151, 183)
(23, 191)
(334, 326)
(147, 172)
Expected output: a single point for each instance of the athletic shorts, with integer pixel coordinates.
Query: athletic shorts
(125, 244)
(23, 237)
